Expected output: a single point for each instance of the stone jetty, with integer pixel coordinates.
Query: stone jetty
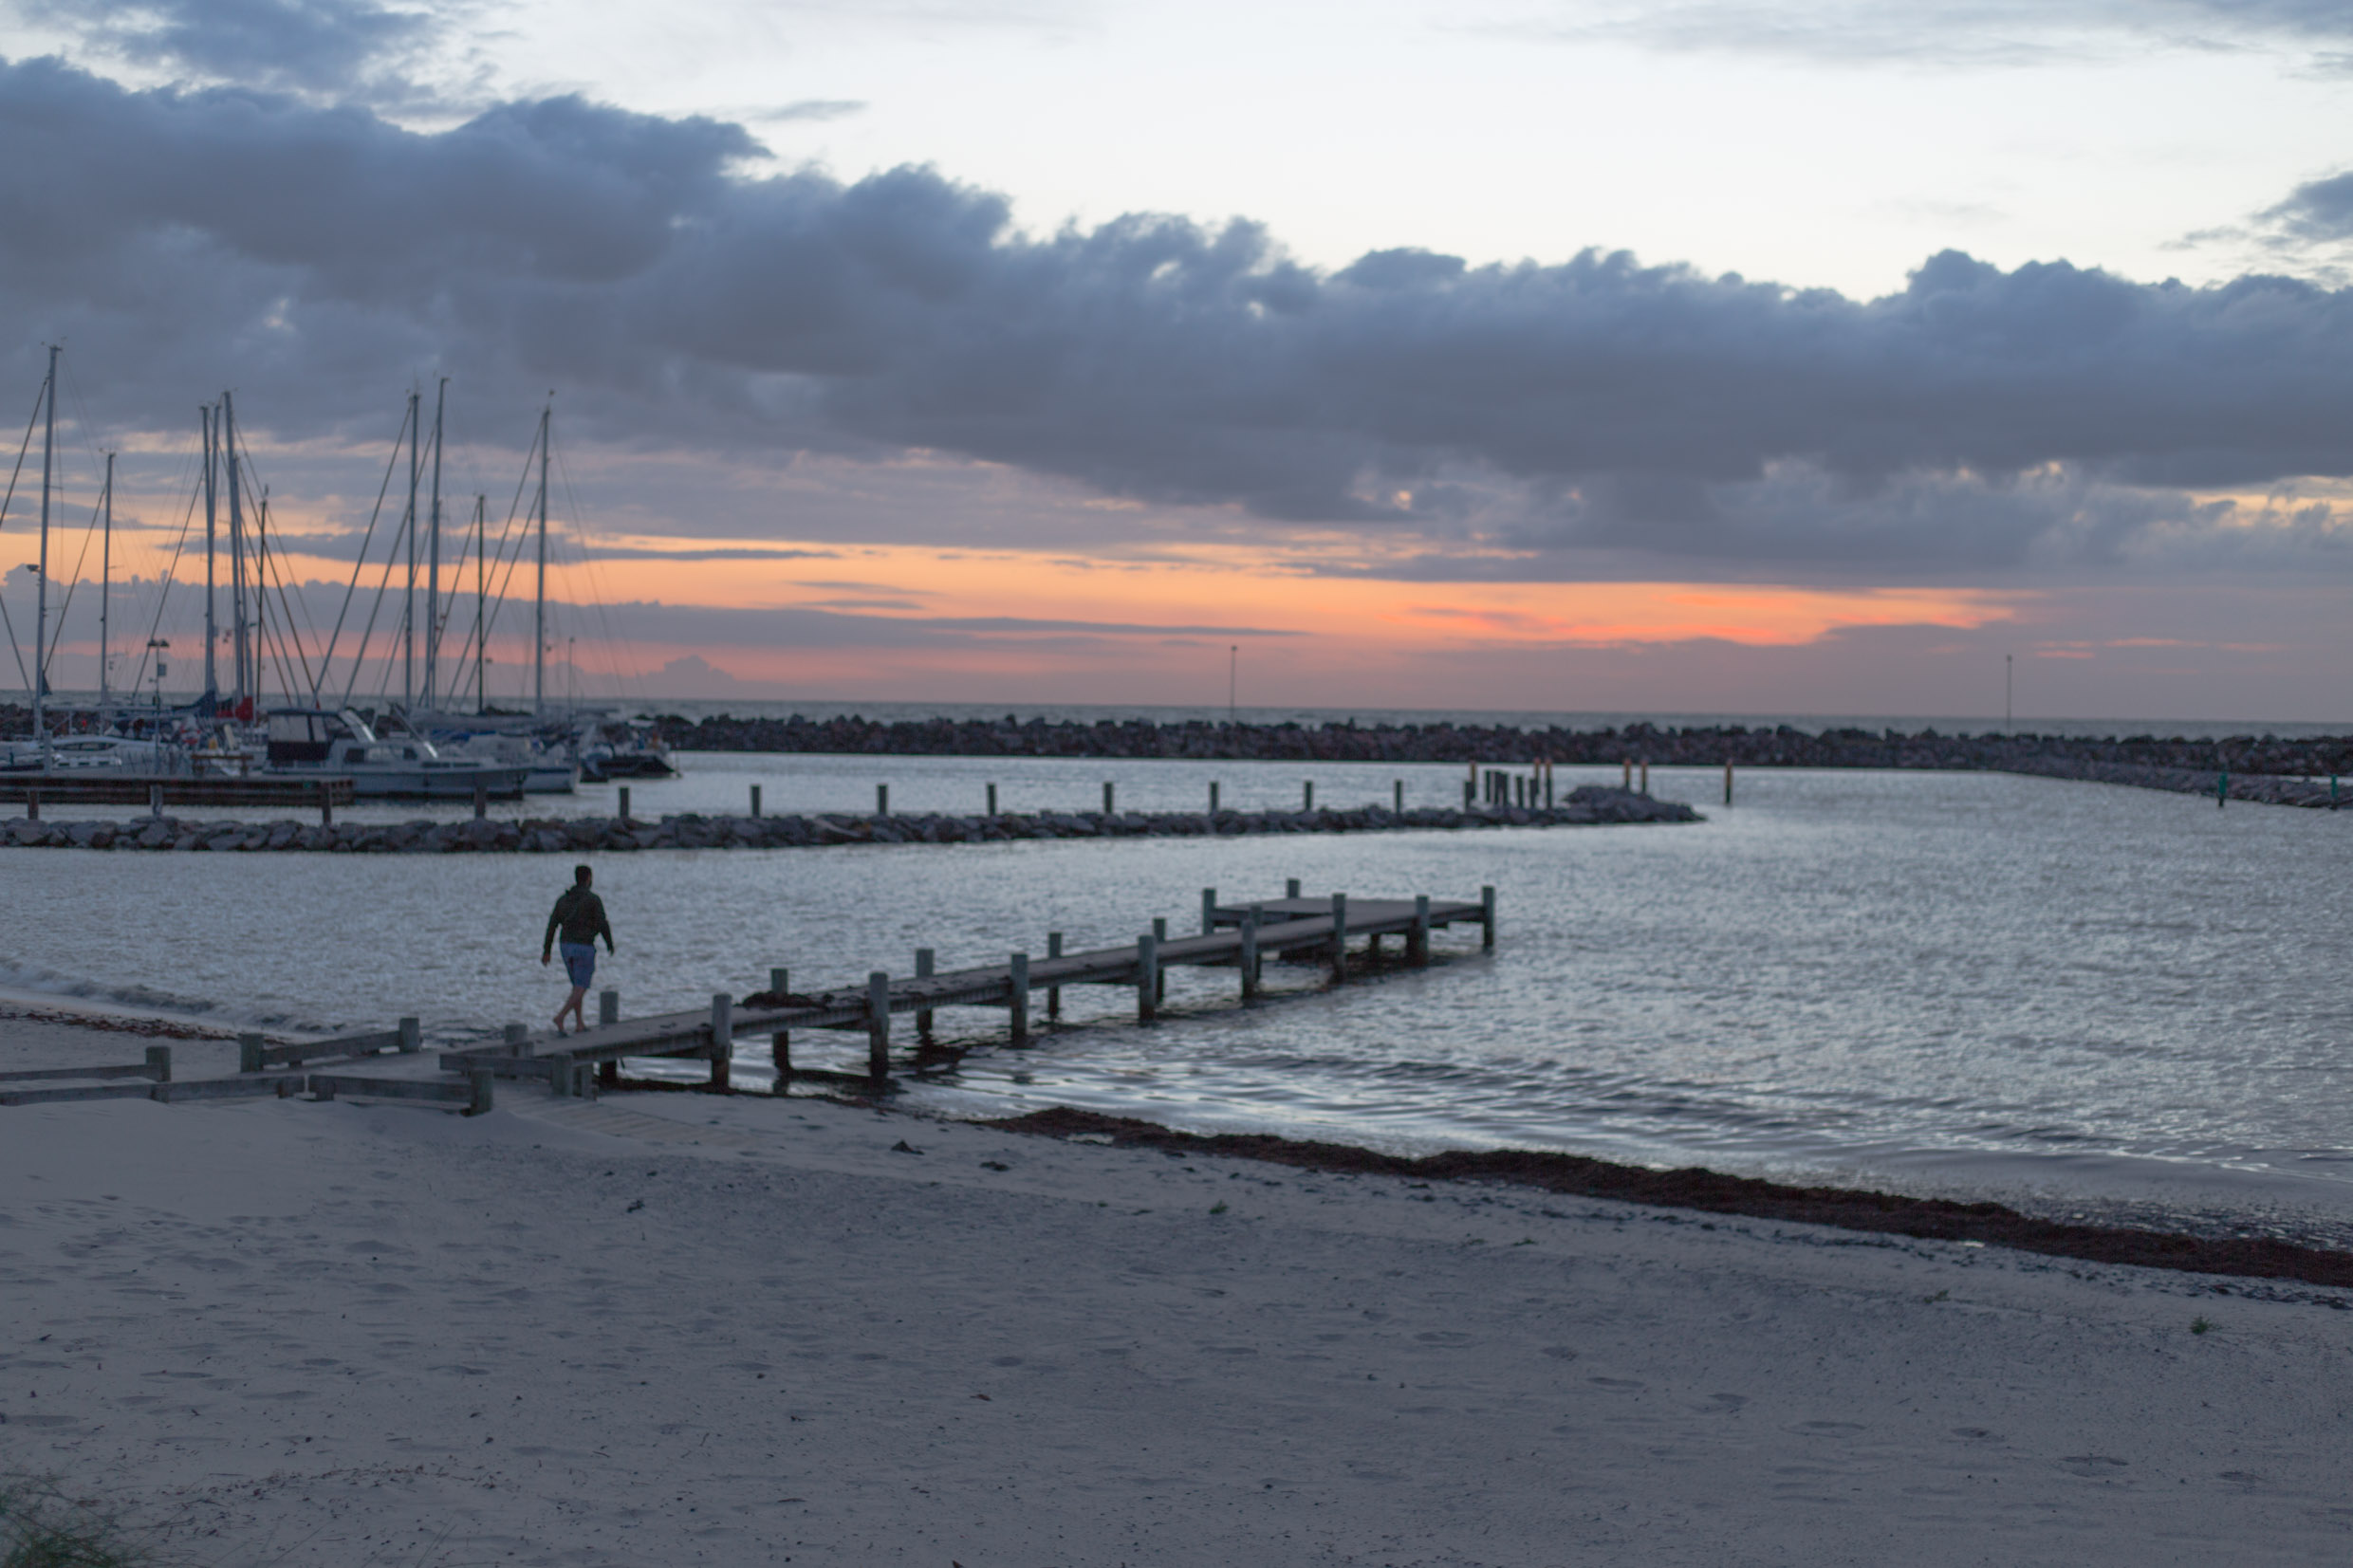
(1585, 808)
(1706, 746)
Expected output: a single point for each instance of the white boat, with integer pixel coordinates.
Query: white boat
(313, 741)
(88, 754)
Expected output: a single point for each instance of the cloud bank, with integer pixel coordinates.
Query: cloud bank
(317, 256)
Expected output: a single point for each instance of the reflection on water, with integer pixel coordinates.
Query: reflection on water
(1954, 979)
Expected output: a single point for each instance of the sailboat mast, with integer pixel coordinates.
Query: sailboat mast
(408, 612)
(105, 589)
(212, 635)
(41, 633)
(481, 602)
(236, 547)
(539, 618)
(432, 565)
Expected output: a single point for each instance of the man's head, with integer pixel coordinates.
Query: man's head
(582, 876)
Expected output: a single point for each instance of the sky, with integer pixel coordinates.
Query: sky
(1697, 355)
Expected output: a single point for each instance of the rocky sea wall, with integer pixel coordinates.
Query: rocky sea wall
(1585, 807)
(1709, 747)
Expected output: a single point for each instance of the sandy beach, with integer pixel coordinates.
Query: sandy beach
(673, 1328)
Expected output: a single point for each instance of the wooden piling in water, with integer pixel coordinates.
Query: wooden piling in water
(1306, 799)
(154, 800)
(1108, 797)
(1645, 775)
(780, 1043)
(992, 799)
(722, 1038)
(1486, 919)
(1340, 938)
(1209, 911)
(1147, 978)
(1418, 939)
(755, 802)
(1212, 797)
(327, 805)
(878, 1026)
(1397, 795)
(1053, 993)
(1248, 958)
(1728, 781)
(923, 971)
(624, 805)
(481, 800)
(881, 800)
(1290, 888)
(1017, 1012)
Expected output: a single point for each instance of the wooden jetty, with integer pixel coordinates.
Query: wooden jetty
(101, 788)
(1239, 936)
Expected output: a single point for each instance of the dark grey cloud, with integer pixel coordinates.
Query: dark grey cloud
(2319, 212)
(339, 47)
(317, 258)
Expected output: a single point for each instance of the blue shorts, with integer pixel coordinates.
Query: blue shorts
(579, 961)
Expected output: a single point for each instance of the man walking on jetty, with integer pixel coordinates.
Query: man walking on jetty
(580, 916)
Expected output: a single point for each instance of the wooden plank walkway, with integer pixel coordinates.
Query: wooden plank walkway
(1240, 936)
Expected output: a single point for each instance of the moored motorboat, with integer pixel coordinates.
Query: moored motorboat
(314, 742)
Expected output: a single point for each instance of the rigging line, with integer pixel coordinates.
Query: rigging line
(506, 533)
(271, 568)
(31, 423)
(358, 658)
(163, 594)
(189, 477)
(71, 584)
(596, 578)
(359, 562)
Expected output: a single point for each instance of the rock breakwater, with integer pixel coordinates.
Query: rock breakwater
(1701, 745)
(1585, 808)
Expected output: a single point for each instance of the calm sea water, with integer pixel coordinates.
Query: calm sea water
(1948, 982)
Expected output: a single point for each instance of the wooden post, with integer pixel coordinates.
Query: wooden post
(780, 1043)
(1418, 939)
(923, 971)
(882, 800)
(624, 805)
(1053, 993)
(1147, 978)
(154, 800)
(1249, 958)
(992, 799)
(1396, 795)
(1728, 781)
(1017, 1008)
(412, 1035)
(1487, 918)
(480, 1104)
(2222, 789)
(755, 802)
(1159, 985)
(32, 803)
(1212, 797)
(160, 1063)
(327, 805)
(1306, 796)
(1340, 938)
(1291, 889)
(1107, 797)
(878, 1026)
(249, 1053)
(1645, 775)
(722, 1038)
(608, 1073)
(608, 1006)
(1546, 765)
(518, 1040)
(560, 1074)
(1469, 790)
(481, 799)
(1209, 911)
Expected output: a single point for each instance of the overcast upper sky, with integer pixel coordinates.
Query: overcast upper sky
(1680, 357)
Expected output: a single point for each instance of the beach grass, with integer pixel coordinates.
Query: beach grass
(42, 1527)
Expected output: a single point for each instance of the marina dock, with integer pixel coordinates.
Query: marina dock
(1240, 936)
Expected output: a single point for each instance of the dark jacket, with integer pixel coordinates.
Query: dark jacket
(580, 914)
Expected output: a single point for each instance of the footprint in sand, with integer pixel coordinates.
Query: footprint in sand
(2092, 1465)
(1618, 1385)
